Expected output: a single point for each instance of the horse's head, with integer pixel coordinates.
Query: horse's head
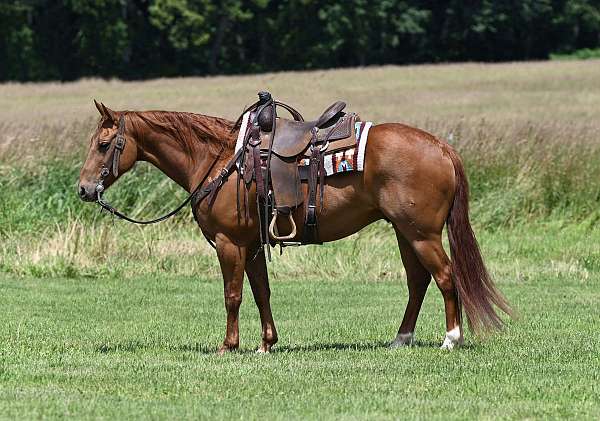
(112, 152)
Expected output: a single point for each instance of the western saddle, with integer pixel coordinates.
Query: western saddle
(276, 145)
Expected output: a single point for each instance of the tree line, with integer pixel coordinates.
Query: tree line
(137, 39)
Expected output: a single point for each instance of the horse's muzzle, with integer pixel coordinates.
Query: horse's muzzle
(87, 193)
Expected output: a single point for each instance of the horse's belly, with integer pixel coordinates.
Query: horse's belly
(344, 222)
(347, 208)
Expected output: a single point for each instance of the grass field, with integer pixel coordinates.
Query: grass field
(106, 320)
(145, 346)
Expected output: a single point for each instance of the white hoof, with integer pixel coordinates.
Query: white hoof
(403, 339)
(262, 351)
(453, 339)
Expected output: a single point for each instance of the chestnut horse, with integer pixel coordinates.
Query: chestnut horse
(411, 179)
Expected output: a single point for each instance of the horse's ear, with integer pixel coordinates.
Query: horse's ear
(108, 113)
(99, 108)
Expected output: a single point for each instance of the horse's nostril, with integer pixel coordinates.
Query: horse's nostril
(81, 191)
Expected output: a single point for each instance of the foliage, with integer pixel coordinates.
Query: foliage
(141, 39)
(583, 54)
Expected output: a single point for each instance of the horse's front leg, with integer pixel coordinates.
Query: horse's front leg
(256, 269)
(232, 259)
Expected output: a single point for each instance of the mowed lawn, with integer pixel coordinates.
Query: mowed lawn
(145, 346)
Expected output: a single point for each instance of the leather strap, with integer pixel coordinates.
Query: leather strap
(255, 144)
(119, 146)
(268, 175)
(321, 178)
(198, 194)
(310, 235)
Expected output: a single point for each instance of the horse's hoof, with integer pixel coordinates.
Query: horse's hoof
(225, 349)
(265, 348)
(447, 345)
(452, 340)
(403, 340)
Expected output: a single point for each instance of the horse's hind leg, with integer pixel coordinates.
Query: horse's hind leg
(418, 279)
(256, 269)
(433, 257)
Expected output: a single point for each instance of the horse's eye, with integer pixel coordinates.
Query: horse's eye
(103, 146)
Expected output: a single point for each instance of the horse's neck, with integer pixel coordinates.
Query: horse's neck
(186, 163)
(165, 154)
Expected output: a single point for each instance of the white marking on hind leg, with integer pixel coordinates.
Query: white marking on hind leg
(403, 339)
(453, 339)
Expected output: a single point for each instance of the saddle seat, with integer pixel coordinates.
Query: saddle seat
(292, 138)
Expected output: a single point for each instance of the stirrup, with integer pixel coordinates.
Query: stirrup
(272, 228)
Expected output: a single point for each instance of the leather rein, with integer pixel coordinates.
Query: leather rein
(199, 193)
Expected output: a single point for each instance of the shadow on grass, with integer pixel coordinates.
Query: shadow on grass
(357, 346)
(134, 346)
(334, 346)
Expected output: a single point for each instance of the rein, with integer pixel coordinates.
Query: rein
(200, 193)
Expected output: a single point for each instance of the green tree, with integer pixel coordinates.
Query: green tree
(67, 39)
(18, 58)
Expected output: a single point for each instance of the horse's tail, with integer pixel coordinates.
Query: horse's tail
(476, 290)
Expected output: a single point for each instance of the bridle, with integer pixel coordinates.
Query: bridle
(116, 157)
(199, 193)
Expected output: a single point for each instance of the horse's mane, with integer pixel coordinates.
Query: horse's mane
(188, 128)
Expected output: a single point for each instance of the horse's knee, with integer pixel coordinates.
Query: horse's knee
(233, 301)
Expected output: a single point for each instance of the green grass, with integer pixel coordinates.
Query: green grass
(108, 320)
(528, 133)
(145, 346)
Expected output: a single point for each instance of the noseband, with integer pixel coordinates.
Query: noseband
(199, 192)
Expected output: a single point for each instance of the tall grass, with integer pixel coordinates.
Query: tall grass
(518, 175)
(521, 169)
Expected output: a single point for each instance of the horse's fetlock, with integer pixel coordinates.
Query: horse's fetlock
(270, 336)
